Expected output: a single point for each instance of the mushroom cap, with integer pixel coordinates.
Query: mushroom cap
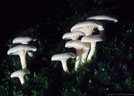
(72, 35)
(13, 50)
(77, 44)
(61, 56)
(22, 40)
(88, 24)
(103, 17)
(92, 38)
(20, 72)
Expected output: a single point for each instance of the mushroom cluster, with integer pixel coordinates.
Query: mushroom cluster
(83, 39)
(22, 48)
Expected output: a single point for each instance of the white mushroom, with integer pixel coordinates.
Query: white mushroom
(21, 50)
(92, 40)
(104, 20)
(79, 46)
(87, 27)
(73, 35)
(63, 57)
(23, 40)
(102, 17)
(20, 74)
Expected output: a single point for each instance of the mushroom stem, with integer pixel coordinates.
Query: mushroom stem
(21, 78)
(78, 58)
(85, 54)
(64, 65)
(23, 59)
(91, 53)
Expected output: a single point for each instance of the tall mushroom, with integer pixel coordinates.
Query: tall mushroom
(63, 57)
(23, 40)
(73, 35)
(92, 40)
(80, 47)
(21, 51)
(87, 27)
(20, 74)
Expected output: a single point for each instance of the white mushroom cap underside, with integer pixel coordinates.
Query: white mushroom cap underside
(21, 47)
(20, 72)
(60, 56)
(95, 38)
(72, 35)
(103, 17)
(77, 44)
(87, 24)
(22, 39)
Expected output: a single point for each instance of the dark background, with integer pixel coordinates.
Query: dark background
(17, 16)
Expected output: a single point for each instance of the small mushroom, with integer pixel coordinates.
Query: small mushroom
(73, 35)
(87, 27)
(93, 39)
(21, 50)
(63, 57)
(20, 74)
(23, 40)
(79, 46)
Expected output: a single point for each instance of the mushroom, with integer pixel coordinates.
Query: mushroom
(103, 18)
(80, 47)
(93, 39)
(23, 40)
(73, 35)
(21, 50)
(20, 74)
(87, 27)
(63, 57)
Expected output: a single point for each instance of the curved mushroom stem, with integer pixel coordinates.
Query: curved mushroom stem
(22, 55)
(85, 54)
(64, 65)
(21, 78)
(91, 53)
(78, 58)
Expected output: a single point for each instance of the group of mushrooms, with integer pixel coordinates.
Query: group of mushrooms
(83, 37)
(22, 48)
